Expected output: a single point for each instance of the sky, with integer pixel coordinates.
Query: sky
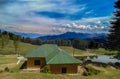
(56, 16)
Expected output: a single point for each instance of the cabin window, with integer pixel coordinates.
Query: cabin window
(64, 70)
(37, 62)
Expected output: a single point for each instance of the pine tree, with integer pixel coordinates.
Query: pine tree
(16, 39)
(113, 39)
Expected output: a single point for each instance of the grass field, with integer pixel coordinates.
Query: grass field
(74, 51)
(9, 48)
(14, 73)
(100, 51)
(25, 47)
(9, 59)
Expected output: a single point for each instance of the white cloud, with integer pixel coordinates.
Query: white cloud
(95, 19)
(89, 12)
(98, 22)
(69, 9)
(90, 25)
(19, 17)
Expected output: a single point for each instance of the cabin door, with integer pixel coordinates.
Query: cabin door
(64, 70)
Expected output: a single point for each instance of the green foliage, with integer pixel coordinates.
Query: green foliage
(46, 69)
(16, 40)
(1, 71)
(80, 44)
(6, 69)
(90, 71)
(83, 44)
(103, 51)
(10, 49)
(72, 50)
(38, 41)
(61, 42)
(4, 40)
(16, 43)
(113, 40)
(48, 42)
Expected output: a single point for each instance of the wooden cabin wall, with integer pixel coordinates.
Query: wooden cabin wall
(57, 69)
(30, 63)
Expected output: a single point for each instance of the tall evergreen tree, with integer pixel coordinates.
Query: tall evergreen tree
(113, 40)
(4, 40)
(16, 39)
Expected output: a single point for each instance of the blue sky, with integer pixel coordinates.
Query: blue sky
(56, 16)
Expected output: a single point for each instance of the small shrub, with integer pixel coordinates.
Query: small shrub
(1, 71)
(85, 73)
(45, 69)
(11, 71)
(90, 71)
(6, 69)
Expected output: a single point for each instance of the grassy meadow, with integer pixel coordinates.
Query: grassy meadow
(14, 72)
(99, 51)
(22, 48)
(10, 70)
(102, 51)
(25, 47)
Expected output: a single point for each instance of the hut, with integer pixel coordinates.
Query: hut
(58, 60)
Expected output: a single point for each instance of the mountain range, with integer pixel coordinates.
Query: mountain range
(98, 37)
(30, 35)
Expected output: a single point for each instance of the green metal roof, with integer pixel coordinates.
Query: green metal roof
(42, 51)
(62, 57)
(52, 54)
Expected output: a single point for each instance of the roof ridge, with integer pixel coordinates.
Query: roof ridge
(42, 51)
(63, 53)
(53, 57)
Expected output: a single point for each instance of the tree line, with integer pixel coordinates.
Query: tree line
(113, 39)
(6, 37)
(76, 43)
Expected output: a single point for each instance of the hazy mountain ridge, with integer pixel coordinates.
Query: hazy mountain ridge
(31, 35)
(98, 37)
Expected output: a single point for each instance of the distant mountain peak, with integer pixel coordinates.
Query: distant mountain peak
(100, 37)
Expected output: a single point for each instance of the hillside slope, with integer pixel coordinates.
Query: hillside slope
(25, 47)
(9, 48)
